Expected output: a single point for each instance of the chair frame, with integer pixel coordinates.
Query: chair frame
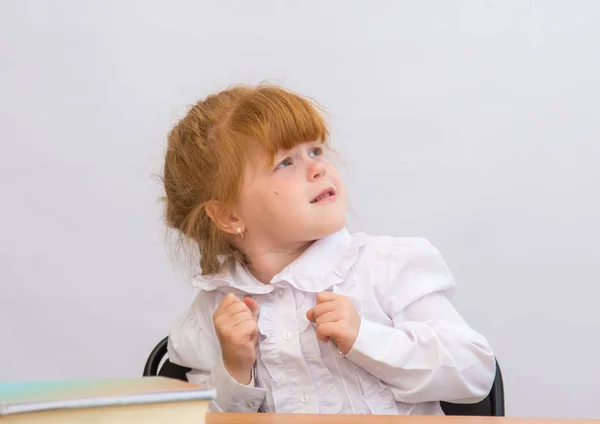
(155, 358)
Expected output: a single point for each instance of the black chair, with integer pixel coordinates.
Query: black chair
(492, 405)
(156, 366)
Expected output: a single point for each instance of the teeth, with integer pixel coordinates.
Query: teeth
(321, 197)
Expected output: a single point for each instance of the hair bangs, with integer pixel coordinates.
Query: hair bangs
(278, 120)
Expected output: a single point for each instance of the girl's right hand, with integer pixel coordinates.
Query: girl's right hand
(237, 330)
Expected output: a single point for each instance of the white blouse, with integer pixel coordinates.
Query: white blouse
(413, 348)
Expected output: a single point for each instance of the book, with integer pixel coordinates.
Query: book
(138, 400)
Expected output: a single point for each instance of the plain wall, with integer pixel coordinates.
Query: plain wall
(474, 124)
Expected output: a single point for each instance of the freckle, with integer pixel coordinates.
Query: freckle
(276, 193)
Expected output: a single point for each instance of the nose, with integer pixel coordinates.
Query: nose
(316, 170)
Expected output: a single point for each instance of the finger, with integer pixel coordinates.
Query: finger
(227, 301)
(246, 327)
(322, 338)
(326, 331)
(252, 305)
(323, 308)
(222, 317)
(332, 316)
(326, 296)
(236, 318)
(310, 315)
(234, 308)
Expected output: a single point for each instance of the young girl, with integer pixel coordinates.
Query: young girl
(295, 314)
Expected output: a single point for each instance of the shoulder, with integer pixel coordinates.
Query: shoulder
(398, 244)
(405, 269)
(199, 313)
(191, 336)
(398, 251)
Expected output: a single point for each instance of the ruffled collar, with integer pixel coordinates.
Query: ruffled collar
(325, 263)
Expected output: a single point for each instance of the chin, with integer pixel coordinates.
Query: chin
(329, 228)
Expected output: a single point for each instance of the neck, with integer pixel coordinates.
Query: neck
(264, 264)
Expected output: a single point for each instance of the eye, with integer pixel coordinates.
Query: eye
(315, 151)
(284, 163)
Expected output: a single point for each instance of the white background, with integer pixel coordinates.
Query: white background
(472, 123)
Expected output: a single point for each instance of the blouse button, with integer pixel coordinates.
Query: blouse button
(305, 398)
(286, 335)
(280, 294)
(250, 404)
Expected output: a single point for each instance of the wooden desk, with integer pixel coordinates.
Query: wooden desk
(227, 418)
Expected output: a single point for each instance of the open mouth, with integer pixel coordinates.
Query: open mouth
(325, 194)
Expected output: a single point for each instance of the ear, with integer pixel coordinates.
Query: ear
(224, 217)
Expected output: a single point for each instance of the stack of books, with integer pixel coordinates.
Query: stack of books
(145, 400)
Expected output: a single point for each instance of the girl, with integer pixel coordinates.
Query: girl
(295, 314)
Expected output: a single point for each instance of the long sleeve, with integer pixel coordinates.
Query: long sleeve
(193, 344)
(430, 353)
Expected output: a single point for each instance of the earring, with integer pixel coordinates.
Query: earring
(240, 232)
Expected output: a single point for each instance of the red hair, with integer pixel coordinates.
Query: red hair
(209, 148)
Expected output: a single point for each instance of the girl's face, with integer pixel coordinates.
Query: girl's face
(299, 198)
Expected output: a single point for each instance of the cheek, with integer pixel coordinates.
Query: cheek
(264, 205)
(336, 179)
(284, 189)
(249, 202)
(281, 200)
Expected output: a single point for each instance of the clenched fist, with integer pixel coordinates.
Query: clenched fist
(235, 325)
(336, 318)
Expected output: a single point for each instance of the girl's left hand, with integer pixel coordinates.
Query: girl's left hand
(337, 319)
